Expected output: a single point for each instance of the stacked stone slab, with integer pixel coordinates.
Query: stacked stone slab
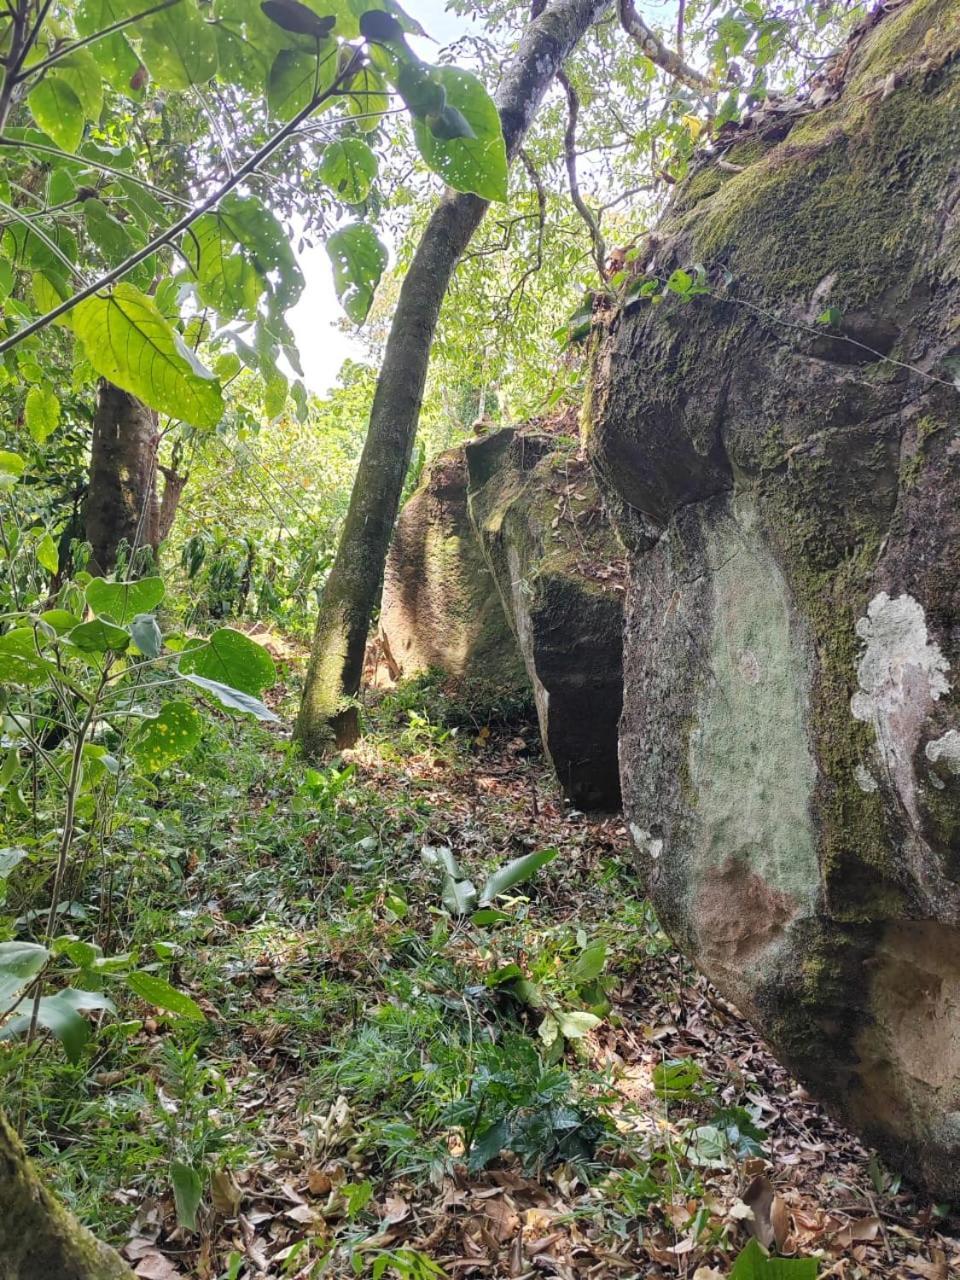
(783, 455)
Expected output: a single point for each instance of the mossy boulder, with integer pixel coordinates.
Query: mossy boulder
(441, 608)
(782, 455)
(559, 569)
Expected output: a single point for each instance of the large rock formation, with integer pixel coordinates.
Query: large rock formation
(783, 450)
(558, 567)
(441, 608)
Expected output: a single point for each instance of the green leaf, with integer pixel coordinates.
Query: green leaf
(146, 635)
(122, 601)
(680, 282)
(477, 163)
(178, 47)
(57, 110)
(166, 737)
(113, 55)
(11, 465)
(129, 343)
(20, 962)
(441, 855)
(348, 168)
(46, 553)
(99, 636)
(577, 1023)
(754, 1263)
(676, 1078)
(60, 619)
(41, 413)
(459, 896)
(589, 964)
(367, 98)
(110, 236)
(359, 259)
(297, 76)
(516, 872)
(159, 992)
(79, 70)
(20, 661)
(10, 858)
(187, 1193)
(830, 318)
(233, 659)
(234, 699)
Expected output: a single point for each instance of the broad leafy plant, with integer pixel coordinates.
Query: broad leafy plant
(103, 235)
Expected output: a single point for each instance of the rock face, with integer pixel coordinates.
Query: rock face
(788, 480)
(558, 567)
(441, 607)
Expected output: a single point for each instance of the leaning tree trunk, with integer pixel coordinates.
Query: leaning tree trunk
(123, 505)
(350, 594)
(39, 1239)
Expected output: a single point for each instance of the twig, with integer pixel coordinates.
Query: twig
(570, 158)
(654, 48)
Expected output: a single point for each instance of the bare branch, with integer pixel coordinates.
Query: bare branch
(654, 48)
(570, 157)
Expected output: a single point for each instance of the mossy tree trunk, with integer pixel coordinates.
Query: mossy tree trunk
(39, 1239)
(350, 594)
(123, 507)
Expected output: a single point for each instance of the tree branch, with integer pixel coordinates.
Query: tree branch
(657, 51)
(182, 224)
(570, 158)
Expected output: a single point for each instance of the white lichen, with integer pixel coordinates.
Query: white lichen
(946, 749)
(902, 673)
(865, 779)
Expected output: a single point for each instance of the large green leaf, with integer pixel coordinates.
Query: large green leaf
(122, 601)
(20, 962)
(99, 636)
(753, 1263)
(58, 112)
(128, 341)
(60, 1015)
(233, 659)
(79, 70)
(41, 413)
(20, 662)
(113, 55)
(367, 98)
(159, 992)
(477, 164)
(297, 75)
(239, 252)
(516, 872)
(10, 858)
(233, 699)
(179, 47)
(166, 737)
(359, 259)
(349, 167)
(187, 1193)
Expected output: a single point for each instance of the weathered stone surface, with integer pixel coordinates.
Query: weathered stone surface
(441, 607)
(790, 746)
(558, 566)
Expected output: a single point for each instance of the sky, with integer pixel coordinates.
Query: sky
(316, 318)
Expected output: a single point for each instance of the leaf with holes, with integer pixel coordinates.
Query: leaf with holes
(476, 163)
(179, 47)
(166, 737)
(349, 168)
(129, 343)
(359, 259)
(233, 659)
(122, 601)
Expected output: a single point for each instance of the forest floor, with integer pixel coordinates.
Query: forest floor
(380, 1088)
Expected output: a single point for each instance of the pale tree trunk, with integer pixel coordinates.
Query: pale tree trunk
(350, 593)
(39, 1239)
(123, 504)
